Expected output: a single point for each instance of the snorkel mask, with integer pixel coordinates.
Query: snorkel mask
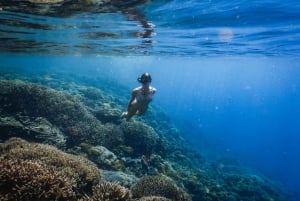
(146, 77)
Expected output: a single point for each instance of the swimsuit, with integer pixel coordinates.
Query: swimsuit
(141, 97)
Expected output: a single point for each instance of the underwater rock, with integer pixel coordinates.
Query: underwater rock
(37, 130)
(102, 156)
(32, 171)
(126, 180)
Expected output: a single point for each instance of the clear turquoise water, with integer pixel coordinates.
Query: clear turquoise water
(227, 73)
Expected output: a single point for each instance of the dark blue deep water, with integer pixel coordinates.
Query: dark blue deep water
(227, 73)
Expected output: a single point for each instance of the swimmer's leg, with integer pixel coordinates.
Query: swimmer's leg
(131, 110)
(142, 110)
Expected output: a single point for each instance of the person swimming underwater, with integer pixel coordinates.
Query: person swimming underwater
(140, 97)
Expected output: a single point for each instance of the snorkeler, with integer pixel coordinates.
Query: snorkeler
(140, 97)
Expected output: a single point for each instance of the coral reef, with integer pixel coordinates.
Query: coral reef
(142, 138)
(103, 157)
(109, 192)
(83, 120)
(114, 136)
(76, 170)
(158, 186)
(35, 129)
(126, 180)
(153, 198)
(106, 113)
(250, 187)
(27, 180)
(60, 109)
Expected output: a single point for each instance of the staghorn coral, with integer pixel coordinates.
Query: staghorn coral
(109, 192)
(27, 180)
(82, 171)
(158, 186)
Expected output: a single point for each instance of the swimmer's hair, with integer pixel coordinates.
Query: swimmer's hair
(144, 78)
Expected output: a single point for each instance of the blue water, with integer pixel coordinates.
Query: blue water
(227, 72)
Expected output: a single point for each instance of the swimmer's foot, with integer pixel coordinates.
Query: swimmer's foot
(124, 115)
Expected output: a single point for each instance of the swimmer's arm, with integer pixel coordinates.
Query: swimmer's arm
(153, 90)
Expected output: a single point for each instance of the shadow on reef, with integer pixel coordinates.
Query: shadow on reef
(148, 158)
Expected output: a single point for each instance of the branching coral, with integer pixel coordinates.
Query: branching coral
(158, 186)
(50, 163)
(109, 192)
(27, 180)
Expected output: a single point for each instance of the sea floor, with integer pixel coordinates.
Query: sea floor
(62, 138)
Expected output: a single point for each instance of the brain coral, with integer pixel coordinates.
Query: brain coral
(158, 186)
(54, 173)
